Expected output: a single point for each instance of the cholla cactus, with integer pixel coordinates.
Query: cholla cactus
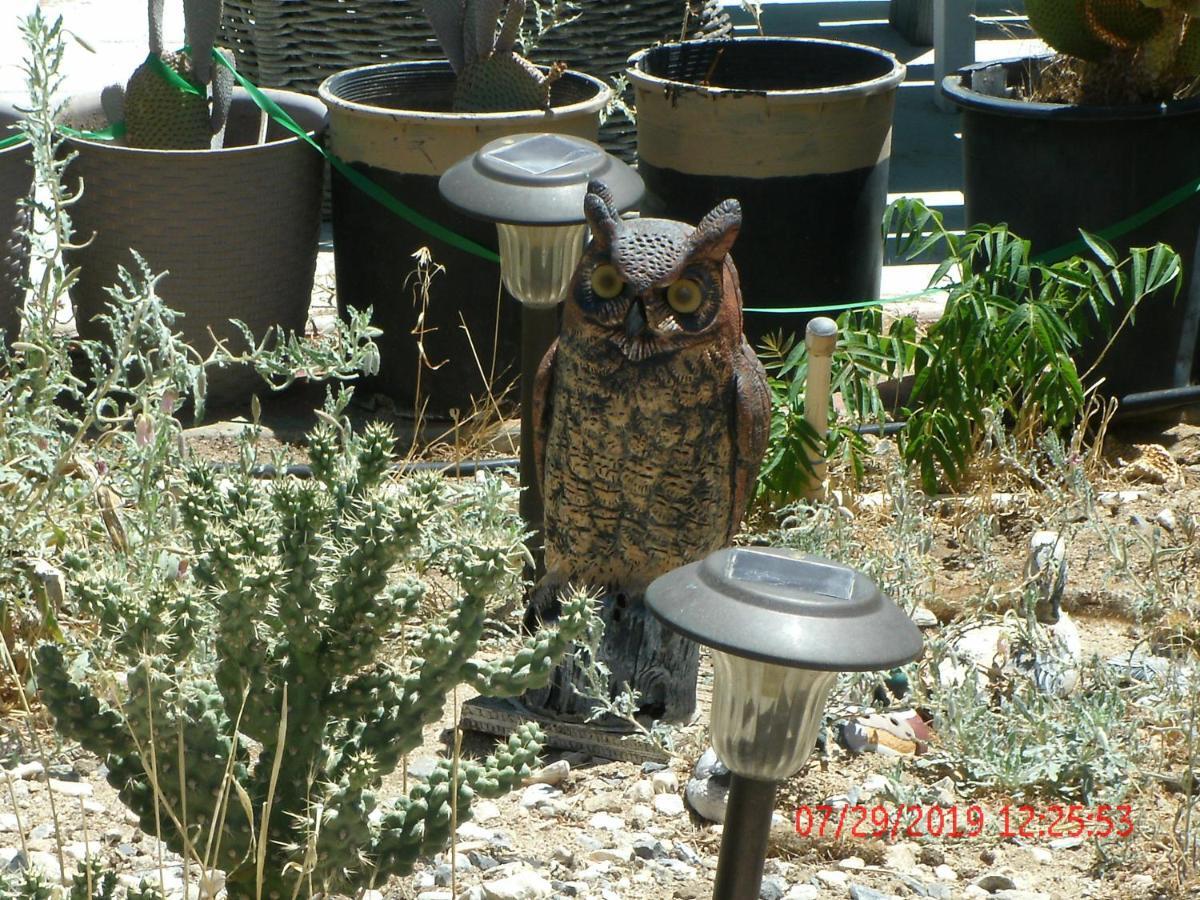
(1157, 42)
(254, 704)
(161, 114)
(490, 76)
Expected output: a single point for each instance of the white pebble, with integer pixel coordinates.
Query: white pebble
(606, 822)
(554, 774)
(71, 788)
(26, 771)
(665, 782)
(668, 804)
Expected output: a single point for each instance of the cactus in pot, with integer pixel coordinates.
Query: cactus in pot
(1124, 50)
(166, 105)
(260, 704)
(489, 75)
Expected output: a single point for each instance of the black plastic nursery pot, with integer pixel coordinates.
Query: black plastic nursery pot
(392, 123)
(15, 179)
(235, 229)
(1048, 170)
(797, 129)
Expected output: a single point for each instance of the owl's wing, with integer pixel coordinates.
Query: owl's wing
(751, 428)
(543, 385)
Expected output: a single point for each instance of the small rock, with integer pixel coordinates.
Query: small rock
(931, 856)
(606, 822)
(1142, 880)
(772, 888)
(832, 878)
(41, 832)
(518, 886)
(605, 802)
(27, 771)
(641, 815)
(71, 788)
(469, 831)
(859, 892)
(131, 818)
(924, 618)
(993, 881)
(612, 854)
(482, 861)
(421, 766)
(443, 875)
(1066, 843)
(852, 863)
(8, 822)
(649, 768)
(371, 895)
(640, 792)
(708, 788)
(63, 773)
(802, 892)
(988, 855)
(553, 774)
(946, 794)
(648, 848)
(485, 811)
(11, 859)
(944, 873)
(668, 804)
(536, 794)
(1039, 855)
(974, 891)
(94, 807)
(1166, 519)
(435, 895)
(1020, 895)
(900, 857)
(563, 856)
(665, 782)
(872, 785)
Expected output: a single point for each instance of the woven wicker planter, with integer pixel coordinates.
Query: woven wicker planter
(385, 120)
(235, 229)
(286, 44)
(15, 178)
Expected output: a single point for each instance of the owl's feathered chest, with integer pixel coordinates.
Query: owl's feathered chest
(638, 471)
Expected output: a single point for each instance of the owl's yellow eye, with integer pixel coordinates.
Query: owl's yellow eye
(684, 295)
(606, 283)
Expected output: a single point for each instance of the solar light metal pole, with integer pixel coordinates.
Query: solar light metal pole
(532, 186)
(781, 626)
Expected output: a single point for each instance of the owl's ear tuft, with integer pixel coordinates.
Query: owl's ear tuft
(602, 213)
(717, 231)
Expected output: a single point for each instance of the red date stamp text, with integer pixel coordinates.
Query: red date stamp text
(915, 821)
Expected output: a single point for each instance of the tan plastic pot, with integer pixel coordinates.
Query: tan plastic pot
(797, 129)
(234, 229)
(15, 179)
(391, 123)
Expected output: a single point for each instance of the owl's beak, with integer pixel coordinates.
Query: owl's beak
(635, 319)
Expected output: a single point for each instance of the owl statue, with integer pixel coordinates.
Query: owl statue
(651, 416)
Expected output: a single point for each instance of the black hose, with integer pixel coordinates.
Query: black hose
(1131, 405)
(456, 469)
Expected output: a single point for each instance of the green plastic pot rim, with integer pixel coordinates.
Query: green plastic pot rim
(293, 103)
(343, 106)
(883, 84)
(955, 89)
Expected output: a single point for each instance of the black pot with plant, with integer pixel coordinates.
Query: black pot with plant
(1102, 134)
(450, 337)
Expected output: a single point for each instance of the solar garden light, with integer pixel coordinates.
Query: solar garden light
(532, 186)
(781, 626)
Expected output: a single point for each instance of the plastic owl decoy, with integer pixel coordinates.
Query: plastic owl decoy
(651, 417)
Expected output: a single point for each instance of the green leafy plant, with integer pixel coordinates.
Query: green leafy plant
(864, 356)
(1122, 50)
(256, 715)
(1005, 345)
(1002, 355)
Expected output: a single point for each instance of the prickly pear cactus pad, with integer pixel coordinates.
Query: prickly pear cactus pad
(166, 103)
(1125, 50)
(489, 75)
(243, 703)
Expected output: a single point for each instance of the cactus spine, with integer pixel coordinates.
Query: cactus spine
(254, 706)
